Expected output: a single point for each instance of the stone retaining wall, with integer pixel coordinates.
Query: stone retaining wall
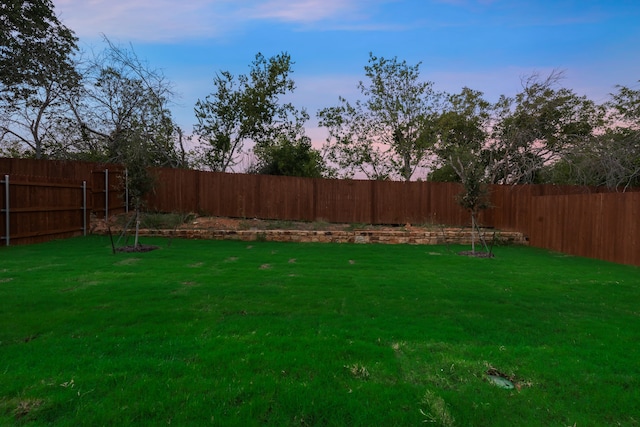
(417, 237)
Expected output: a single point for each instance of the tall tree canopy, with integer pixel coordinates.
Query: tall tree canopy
(289, 158)
(247, 109)
(36, 69)
(611, 157)
(124, 107)
(461, 135)
(390, 133)
(32, 42)
(538, 127)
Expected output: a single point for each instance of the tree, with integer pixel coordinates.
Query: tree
(290, 158)
(123, 102)
(610, 157)
(247, 109)
(140, 181)
(474, 196)
(37, 68)
(122, 115)
(390, 133)
(461, 132)
(220, 124)
(537, 127)
(623, 137)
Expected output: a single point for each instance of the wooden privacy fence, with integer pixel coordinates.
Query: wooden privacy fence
(575, 220)
(305, 199)
(347, 201)
(41, 200)
(591, 222)
(604, 226)
(35, 210)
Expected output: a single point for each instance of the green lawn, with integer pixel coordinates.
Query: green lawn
(236, 333)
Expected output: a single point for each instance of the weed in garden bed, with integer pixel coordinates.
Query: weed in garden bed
(202, 332)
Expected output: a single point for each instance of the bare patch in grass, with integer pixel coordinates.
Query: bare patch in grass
(196, 264)
(437, 410)
(30, 338)
(128, 261)
(265, 267)
(476, 254)
(397, 346)
(358, 371)
(43, 267)
(80, 286)
(231, 259)
(26, 407)
(185, 287)
(189, 284)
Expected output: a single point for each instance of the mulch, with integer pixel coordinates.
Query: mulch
(139, 248)
(476, 254)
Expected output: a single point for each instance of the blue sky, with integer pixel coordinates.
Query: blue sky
(487, 45)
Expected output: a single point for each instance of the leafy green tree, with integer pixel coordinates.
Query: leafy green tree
(122, 103)
(390, 133)
(140, 181)
(474, 196)
(247, 109)
(122, 116)
(290, 158)
(623, 166)
(611, 156)
(461, 132)
(537, 127)
(220, 126)
(444, 173)
(33, 42)
(36, 70)
(610, 159)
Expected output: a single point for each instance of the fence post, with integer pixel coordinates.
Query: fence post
(106, 195)
(6, 209)
(126, 190)
(84, 207)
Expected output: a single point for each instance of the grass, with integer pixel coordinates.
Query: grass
(230, 333)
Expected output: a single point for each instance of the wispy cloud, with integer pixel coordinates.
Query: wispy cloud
(166, 21)
(305, 11)
(146, 20)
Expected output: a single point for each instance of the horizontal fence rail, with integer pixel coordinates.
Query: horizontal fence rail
(591, 222)
(39, 202)
(34, 210)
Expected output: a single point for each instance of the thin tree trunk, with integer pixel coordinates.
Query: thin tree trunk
(135, 241)
(473, 231)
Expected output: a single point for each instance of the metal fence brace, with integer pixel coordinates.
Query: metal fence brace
(6, 211)
(106, 195)
(84, 208)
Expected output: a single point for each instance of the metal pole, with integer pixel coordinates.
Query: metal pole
(106, 195)
(84, 207)
(6, 203)
(126, 190)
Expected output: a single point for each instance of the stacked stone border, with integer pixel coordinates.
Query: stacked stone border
(415, 237)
